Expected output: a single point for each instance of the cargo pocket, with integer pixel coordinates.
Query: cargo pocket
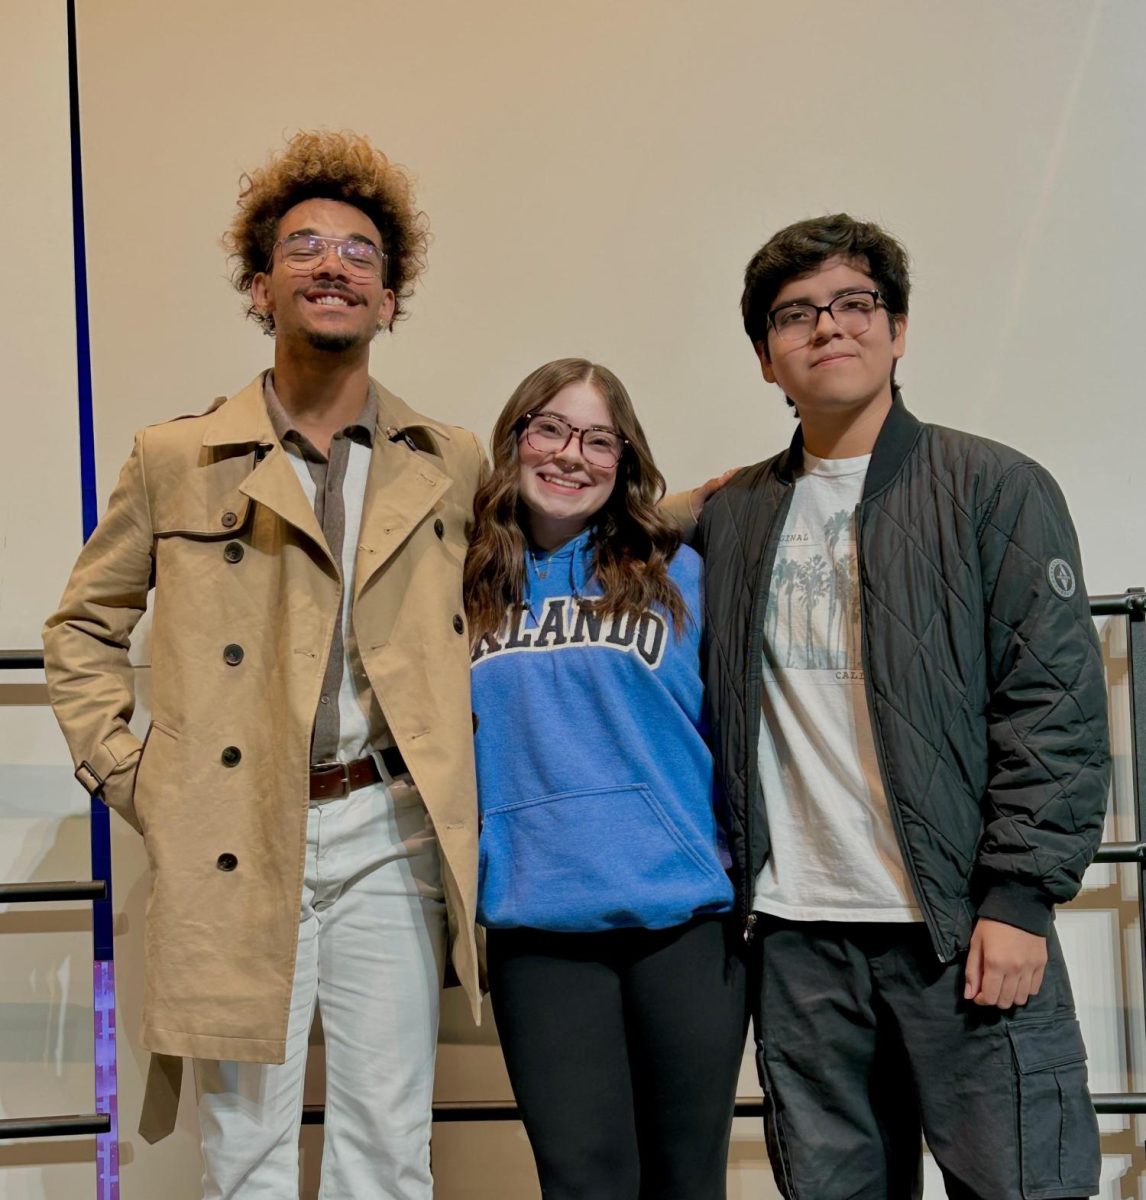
(1058, 1131)
(774, 1139)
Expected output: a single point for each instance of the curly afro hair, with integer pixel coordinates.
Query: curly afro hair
(321, 165)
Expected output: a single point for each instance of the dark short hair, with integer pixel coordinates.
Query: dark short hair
(799, 249)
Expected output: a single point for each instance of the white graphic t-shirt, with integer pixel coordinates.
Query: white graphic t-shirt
(834, 852)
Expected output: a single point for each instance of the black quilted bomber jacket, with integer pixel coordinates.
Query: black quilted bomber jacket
(983, 671)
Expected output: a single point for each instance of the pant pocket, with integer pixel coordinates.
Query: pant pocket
(774, 1139)
(1058, 1131)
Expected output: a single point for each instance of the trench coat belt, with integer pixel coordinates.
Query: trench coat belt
(331, 780)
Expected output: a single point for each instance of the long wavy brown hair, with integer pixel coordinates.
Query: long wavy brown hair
(632, 542)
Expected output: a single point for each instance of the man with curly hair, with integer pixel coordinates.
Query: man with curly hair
(305, 788)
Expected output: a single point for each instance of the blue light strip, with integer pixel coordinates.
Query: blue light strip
(101, 840)
(103, 966)
(83, 338)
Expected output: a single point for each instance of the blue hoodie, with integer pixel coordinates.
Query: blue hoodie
(594, 779)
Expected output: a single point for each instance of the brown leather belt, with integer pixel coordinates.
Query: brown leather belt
(332, 780)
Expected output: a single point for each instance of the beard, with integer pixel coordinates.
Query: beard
(333, 343)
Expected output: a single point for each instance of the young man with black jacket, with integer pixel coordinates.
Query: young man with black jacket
(910, 718)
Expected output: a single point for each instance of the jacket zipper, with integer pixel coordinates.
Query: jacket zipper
(880, 753)
(753, 687)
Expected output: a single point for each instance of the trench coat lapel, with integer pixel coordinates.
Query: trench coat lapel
(274, 484)
(402, 486)
(243, 420)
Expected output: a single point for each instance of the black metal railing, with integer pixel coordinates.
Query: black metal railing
(21, 660)
(1131, 604)
(75, 1125)
(84, 1124)
(38, 893)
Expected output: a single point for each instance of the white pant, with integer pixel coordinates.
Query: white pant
(370, 953)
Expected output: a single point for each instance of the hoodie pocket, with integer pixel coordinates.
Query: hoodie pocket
(593, 859)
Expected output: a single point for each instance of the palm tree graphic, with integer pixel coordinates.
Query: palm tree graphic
(791, 578)
(834, 526)
(848, 595)
(813, 582)
(780, 573)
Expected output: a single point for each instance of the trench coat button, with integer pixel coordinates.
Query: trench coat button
(226, 862)
(229, 520)
(440, 527)
(233, 551)
(233, 654)
(476, 721)
(459, 624)
(231, 756)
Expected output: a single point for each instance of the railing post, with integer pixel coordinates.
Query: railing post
(1136, 680)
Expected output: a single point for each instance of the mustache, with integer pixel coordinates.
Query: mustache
(331, 289)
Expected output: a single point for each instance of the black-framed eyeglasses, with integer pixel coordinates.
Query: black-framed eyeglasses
(851, 311)
(360, 259)
(550, 433)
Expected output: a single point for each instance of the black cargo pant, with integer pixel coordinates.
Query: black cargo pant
(624, 1048)
(864, 1039)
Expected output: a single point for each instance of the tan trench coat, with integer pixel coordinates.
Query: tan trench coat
(209, 512)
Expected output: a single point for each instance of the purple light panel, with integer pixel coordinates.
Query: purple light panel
(107, 1145)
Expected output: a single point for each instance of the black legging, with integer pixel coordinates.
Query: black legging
(624, 1049)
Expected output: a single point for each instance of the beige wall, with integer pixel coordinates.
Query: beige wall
(45, 978)
(596, 176)
(37, 321)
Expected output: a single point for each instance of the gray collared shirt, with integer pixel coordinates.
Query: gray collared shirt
(329, 475)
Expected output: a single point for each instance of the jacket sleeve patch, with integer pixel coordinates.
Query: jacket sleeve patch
(1060, 575)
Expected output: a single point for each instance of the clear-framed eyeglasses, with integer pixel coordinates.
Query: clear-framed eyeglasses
(360, 259)
(549, 433)
(851, 311)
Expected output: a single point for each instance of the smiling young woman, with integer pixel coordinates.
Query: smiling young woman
(632, 542)
(616, 977)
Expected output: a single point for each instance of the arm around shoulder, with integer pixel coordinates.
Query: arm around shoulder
(678, 508)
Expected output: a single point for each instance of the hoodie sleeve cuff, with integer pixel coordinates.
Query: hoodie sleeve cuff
(1018, 904)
